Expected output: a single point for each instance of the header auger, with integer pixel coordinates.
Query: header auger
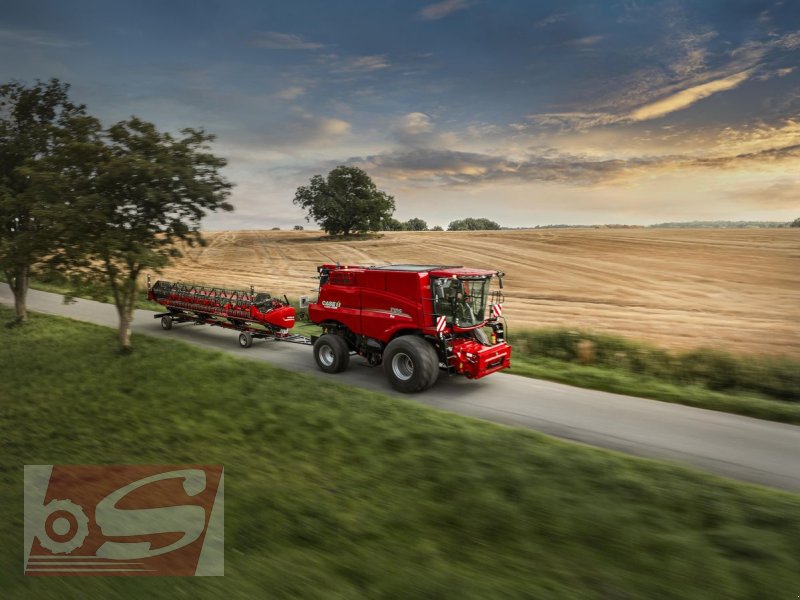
(415, 320)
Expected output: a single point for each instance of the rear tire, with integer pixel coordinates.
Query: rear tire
(410, 364)
(332, 353)
(166, 322)
(245, 339)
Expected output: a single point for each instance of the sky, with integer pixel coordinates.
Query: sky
(528, 113)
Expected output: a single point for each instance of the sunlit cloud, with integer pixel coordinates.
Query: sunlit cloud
(290, 93)
(441, 9)
(365, 64)
(687, 97)
(282, 41)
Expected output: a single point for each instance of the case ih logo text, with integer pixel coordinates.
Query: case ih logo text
(124, 520)
(331, 303)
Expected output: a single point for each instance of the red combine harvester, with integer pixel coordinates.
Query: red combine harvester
(416, 320)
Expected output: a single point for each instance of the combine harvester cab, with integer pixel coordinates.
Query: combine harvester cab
(416, 320)
(254, 315)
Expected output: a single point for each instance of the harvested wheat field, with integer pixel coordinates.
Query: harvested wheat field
(735, 289)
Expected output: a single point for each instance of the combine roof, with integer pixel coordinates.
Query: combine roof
(413, 268)
(437, 270)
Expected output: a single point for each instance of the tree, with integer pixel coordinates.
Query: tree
(136, 196)
(470, 224)
(437, 228)
(795, 223)
(392, 224)
(416, 225)
(345, 202)
(298, 228)
(34, 122)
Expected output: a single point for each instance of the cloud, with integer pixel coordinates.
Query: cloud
(687, 97)
(282, 41)
(551, 20)
(283, 135)
(365, 64)
(585, 41)
(329, 127)
(291, 93)
(417, 130)
(412, 126)
(432, 166)
(454, 168)
(38, 38)
(442, 9)
(566, 121)
(781, 195)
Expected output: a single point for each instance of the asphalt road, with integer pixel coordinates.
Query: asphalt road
(742, 448)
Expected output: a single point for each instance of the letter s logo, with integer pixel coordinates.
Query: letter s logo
(187, 519)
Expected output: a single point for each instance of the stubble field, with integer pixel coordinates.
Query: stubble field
(737, 290)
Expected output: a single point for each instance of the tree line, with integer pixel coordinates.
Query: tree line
(95, 204)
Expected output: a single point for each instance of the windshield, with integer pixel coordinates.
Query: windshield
(462, 301)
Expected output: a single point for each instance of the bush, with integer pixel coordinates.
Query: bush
(415, 225)
(470, 224)
(713, 369)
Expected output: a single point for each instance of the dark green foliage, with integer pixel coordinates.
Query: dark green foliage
(134, 193)
(36, 122)
(298, 228)
(716, 370)
(795, 223)
(437, 228)
(415, 224)
(345, 202)
(470, 224)
(392, 224)
(337, 492)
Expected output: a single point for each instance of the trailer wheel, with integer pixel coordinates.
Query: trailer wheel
(166, 322)
(410, 364)
(331, 353)
(245, 339)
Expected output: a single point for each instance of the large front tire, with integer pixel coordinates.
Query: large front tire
(332, 353)
(410, 364)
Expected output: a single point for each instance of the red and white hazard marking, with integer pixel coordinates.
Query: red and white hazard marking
(441, 323)
(497, 309)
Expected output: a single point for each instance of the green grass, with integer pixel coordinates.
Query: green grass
(767, 388)
(337, 492)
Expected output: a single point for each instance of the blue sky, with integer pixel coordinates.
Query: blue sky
(525, 112)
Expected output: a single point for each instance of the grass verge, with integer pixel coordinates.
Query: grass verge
(333, 491)
(766, 388)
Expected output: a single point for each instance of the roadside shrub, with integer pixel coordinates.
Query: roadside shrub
(711, 368)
